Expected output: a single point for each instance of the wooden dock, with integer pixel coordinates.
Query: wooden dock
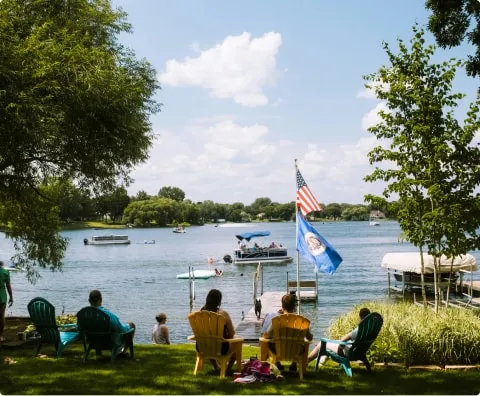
(249, 328)
(308, 289)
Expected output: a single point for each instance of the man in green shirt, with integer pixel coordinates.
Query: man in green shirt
(4, 284)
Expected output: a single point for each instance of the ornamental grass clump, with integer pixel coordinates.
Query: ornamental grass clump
(415, 335)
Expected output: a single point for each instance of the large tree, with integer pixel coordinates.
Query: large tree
(74, 104)
(450, 22)
(435, 161)
(175, 193)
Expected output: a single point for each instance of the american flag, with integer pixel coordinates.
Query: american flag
(305, 199)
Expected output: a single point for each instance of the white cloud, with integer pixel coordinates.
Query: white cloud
(239, 68)
(369, 93)
(227, 162)
(372, 118)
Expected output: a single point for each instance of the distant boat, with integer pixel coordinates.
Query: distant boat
(107, 240)
(373, 221)
(234, 225)
(179, 230)
(274, 253)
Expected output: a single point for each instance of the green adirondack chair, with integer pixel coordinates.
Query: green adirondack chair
(368, 331)
(96, 333)
(42, 314)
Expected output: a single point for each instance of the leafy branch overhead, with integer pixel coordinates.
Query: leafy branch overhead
(74, 104)
(455, 21)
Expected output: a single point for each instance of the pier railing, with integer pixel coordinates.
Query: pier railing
(308, 288)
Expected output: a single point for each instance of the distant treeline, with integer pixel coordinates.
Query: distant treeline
(170, 206)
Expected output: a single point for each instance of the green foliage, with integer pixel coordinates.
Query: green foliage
(112, 204)
(74, 105)
(174, 193)
(435, 161)
(450, 22)
(356, 213)
(61, 320)
(415, 335)
(333, 210)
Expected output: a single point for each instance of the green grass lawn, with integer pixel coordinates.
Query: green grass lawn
(77, 225)
(168, 369)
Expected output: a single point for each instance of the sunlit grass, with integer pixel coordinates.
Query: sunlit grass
(161, 369)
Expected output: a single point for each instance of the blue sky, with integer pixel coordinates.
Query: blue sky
(249, 86)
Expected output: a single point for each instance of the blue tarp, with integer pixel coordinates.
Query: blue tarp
(249, 235)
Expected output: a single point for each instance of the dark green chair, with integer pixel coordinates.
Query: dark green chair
(96, 333)
(368, 331)
(42, 314)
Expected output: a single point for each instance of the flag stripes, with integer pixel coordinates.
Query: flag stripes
(306, 202)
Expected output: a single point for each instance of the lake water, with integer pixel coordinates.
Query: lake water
(138, 280)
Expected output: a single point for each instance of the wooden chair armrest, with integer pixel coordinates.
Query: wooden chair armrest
(263, 339)
(191, 337)
(336, 341)
(233, 340)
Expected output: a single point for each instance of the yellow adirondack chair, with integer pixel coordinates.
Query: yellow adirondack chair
(289, 331)
(208, 328)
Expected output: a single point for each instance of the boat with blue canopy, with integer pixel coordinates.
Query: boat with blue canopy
(249, 252)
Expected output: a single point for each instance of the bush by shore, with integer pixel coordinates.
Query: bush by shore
(414, 335)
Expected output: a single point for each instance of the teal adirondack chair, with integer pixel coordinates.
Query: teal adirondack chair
(368, 331)
(42, 314)
(96, 333)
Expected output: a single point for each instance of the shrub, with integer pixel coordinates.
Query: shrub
(61, 320)
(412, 334)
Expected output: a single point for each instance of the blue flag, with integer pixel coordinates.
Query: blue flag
(315, 248)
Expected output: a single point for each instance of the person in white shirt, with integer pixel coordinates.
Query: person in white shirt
(160, 330)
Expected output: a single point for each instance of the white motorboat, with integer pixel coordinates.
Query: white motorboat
(406, 268)
(179, 230)
(247, 254)
(107, 240)
(373, 221)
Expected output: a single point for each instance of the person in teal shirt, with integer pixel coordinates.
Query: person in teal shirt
(95, 300)
(5, 287)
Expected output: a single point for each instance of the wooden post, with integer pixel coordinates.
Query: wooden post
(389, 285)
(261, 268)
(190, 288)
(254, 288)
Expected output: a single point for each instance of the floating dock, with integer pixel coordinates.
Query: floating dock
(249, 328)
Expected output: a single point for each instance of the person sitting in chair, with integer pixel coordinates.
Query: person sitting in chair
(95, 300)
(212, 304)
(337, 348)
(288, 306)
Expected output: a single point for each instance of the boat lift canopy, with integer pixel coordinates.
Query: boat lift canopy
(249, 235)
(410, 262)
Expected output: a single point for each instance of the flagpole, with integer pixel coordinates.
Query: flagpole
(296, 243)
